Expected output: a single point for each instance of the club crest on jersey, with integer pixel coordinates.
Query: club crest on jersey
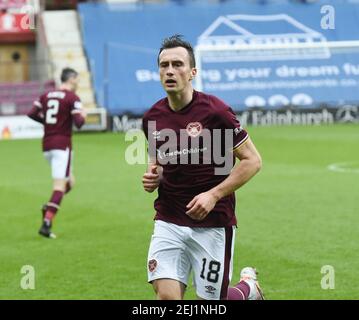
(152, 265)
(194, 129)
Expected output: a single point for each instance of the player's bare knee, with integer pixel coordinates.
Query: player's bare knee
(164, 294)
(59, 185)
(168, 290)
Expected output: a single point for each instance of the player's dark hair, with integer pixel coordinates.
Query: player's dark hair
(176, 41)
(67, 73)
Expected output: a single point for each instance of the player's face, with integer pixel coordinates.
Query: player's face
(175, 70)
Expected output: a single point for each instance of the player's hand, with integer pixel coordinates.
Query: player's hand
(201, 205)
(151, 180)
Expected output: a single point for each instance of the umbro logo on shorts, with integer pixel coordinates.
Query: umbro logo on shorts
(210, 289)
(152, 264)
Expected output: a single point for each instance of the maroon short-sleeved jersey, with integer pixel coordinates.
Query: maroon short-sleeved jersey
(58, 108)
(181, 182)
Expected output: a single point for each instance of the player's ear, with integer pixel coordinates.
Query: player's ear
(193, 73)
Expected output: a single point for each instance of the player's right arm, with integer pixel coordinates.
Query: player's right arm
(36, 112)
(151, 178)
(78, 113)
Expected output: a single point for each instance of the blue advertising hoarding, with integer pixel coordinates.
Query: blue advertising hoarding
(122, 45)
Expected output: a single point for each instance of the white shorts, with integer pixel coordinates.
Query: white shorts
(176, 250)
(60, 162)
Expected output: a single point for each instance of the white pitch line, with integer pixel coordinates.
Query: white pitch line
(343, 167)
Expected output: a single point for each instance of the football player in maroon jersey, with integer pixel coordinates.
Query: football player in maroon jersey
(58, 110)
(195, 210)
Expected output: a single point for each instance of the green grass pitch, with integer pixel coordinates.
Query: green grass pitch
(294, 217)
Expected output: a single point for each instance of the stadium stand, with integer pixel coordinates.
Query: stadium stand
(21, 78)
(31, 59)
(65, 49)
(16, 98)
(114, 43)
(60, 4)
(122, 41)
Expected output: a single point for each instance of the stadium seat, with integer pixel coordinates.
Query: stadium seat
(17, 99)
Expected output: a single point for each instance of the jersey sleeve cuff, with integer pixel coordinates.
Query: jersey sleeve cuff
(37, 104)
(240, 143)
(75, 111)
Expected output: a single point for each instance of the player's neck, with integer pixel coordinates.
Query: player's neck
(179, 100)
(65, 86)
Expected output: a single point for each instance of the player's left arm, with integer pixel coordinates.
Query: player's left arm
(250, 163)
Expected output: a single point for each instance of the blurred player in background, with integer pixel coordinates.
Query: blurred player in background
(57, 110)
(195, 219)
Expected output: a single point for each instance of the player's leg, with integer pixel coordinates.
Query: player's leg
(239, 292)
(70, 183)
(211, 251)
(247, 288)
(60, 161)
(52, 207)
(169, 289)
(168, 265)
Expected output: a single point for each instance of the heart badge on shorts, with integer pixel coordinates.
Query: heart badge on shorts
(152, 264)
